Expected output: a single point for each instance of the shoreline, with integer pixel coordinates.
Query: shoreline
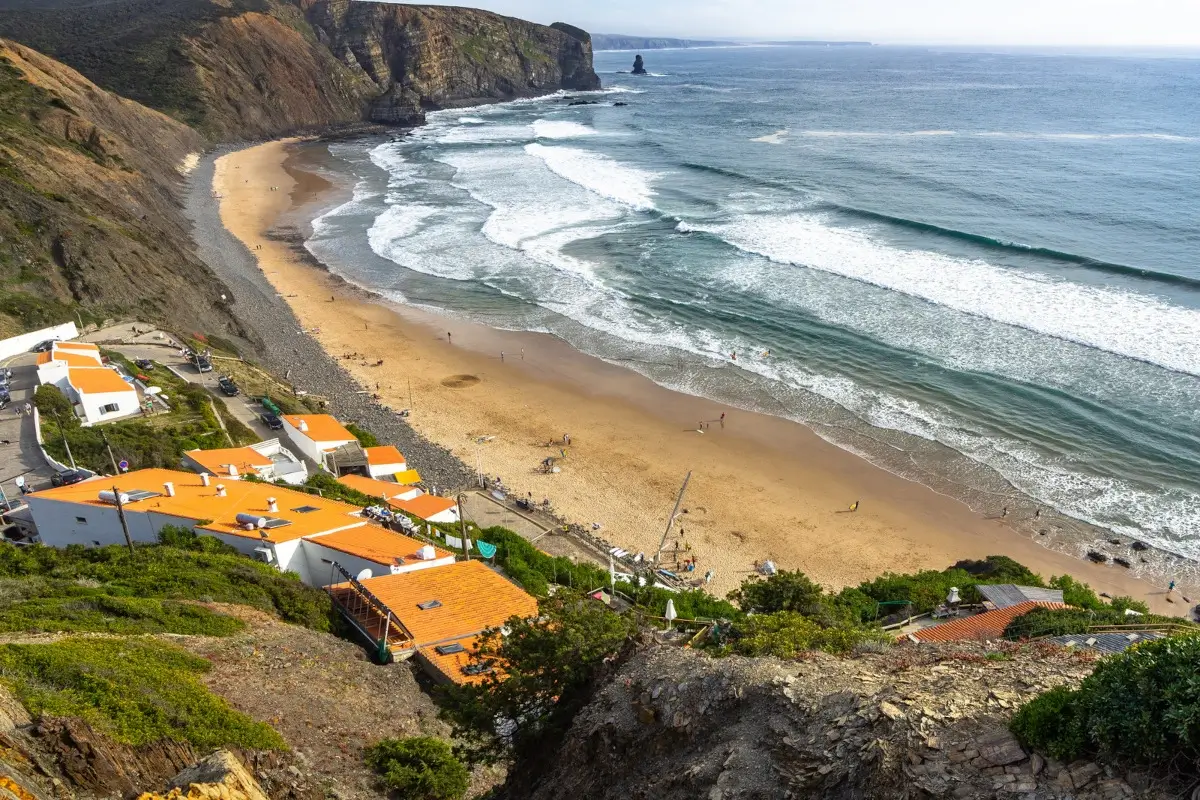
(762, 487)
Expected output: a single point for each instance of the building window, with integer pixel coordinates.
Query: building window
(111, 408)
(81, 520)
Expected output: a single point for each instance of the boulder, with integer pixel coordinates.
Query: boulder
(639, 68)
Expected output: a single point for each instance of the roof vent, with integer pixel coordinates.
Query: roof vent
(429, 605)
(427, 553)
(272, 506)
(204, 478)
(449, 649)
(170, 488)
(220, 490)
(303, 426)
(233, 470)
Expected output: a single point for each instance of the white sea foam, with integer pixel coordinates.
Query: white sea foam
(599, 174)
(1122, 322)
(480, 134)
(1165, 137)
(772, 138)
(471, 121)
(398, 221)
(560, 129)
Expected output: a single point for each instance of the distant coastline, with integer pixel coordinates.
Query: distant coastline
(617, 42)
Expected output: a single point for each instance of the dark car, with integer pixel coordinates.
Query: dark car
(271, 420)
(43, 347)
(70, 476)
(202, 363)
(227, 386)
(144, 364)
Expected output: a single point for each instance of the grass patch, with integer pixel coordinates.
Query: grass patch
(137, 691)
(165, 573)
(67, 607)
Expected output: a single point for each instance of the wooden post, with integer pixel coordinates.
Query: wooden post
(121, 515)
(462, 528)
(671, 520)
(104, 438)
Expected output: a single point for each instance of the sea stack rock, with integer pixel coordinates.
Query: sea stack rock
(638, 67)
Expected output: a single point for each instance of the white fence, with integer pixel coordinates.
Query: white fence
(25, 342)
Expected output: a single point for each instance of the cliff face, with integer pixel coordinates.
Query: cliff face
(87, 211)
(255, 68)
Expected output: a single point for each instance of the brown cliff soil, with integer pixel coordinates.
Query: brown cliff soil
(910, 722)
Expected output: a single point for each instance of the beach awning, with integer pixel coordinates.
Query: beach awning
(408, 477)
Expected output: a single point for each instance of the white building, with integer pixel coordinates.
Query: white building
(99, 393)
(385, 461)
(294, 531)
(313, 435)
(23, 343)
(267, 460)
(409, 499)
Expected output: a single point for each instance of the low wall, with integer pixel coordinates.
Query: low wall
(25, 342)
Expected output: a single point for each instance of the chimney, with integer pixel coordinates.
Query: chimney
(220, 490)
(204, 478)
(272, 506)
(303, 426)
(170, 488)
(233, 470)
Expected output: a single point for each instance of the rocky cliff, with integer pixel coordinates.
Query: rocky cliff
(928, 721)
(236, 69)
(88, 216)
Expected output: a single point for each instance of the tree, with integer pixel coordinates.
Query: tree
(783, 591)
(1076, 593)
(419, 768)
(538, 676)
(787, 634)
(50, 401)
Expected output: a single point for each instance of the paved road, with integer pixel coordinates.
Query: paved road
(19, 451)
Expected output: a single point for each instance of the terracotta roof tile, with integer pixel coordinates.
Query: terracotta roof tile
(217, 462)
(375, 488)
(989, 625)
(384, 454)
(97, 380)
(321, 427)
(473, 598)
(450, 665)
(424, 506)
(80, 346)
(375, 543)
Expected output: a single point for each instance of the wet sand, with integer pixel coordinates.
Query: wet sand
(761, 487)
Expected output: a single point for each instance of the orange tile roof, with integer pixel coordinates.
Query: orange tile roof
(377, 544)
(384, 454)
(473, 598)
(97, 380)
(425, 506)
(989, 625)
(69, 358)
(375, 488)
(197, 502)
(321, 427)
(217, 462)
(86, 346)
(450, 665)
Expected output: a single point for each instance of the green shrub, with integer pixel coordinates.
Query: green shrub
(76, 609)
(783, 591)
(1076, 593)
(1140, 707)
(183, 538)
(787, 634)
(420, 768)
(333, 489)
(137, 690)
(1122, 602)
(364, 436)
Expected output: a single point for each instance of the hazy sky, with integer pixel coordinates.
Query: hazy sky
(1069, 22)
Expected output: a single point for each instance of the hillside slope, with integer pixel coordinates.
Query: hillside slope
(237, 69)
(87, 211)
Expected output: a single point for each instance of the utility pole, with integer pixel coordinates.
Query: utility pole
(462, 527)
(121, 515)
(104, 438)
(66, 444)
(671, 520)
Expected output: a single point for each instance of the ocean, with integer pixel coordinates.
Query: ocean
(978, 271)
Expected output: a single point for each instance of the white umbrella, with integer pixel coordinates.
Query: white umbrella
(153, 390)
(670, 613)
(953, 596)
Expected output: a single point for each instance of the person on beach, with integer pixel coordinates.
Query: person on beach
(501, 355)
(722, 419)
(1170, 588)
(449, 338)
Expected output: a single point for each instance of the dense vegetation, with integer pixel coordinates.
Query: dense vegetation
(156, 441)
(1063, 621)
(136, 690)
(53, 578)
(56, 607)
(1139, 707)
(540, 676)
(420, 767)
(364, 436)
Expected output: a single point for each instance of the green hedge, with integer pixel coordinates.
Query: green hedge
(420, 767)
(1139, 707)
(787, 634)
(1067, 621)
(137, 690)
(68, 607)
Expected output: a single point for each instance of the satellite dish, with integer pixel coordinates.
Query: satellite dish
(153, 390)
(364, 575)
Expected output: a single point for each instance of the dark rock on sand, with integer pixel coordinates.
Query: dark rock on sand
(1140, 546)
(619, 105)
(1099, 558)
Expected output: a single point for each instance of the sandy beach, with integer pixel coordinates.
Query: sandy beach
(761, 487)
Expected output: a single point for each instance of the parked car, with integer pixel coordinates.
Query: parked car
(43, 347)
(71, 476)
(202, 363)
(271, 420)
(227, 386)
(144, 364)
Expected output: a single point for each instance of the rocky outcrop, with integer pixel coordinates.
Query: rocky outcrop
(912, 722)
(639, 67)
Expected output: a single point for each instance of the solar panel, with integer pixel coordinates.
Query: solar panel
(140, 494)
(449, 649)
(305, 509)
(271, 522)
(429, 604)
(476, 669)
